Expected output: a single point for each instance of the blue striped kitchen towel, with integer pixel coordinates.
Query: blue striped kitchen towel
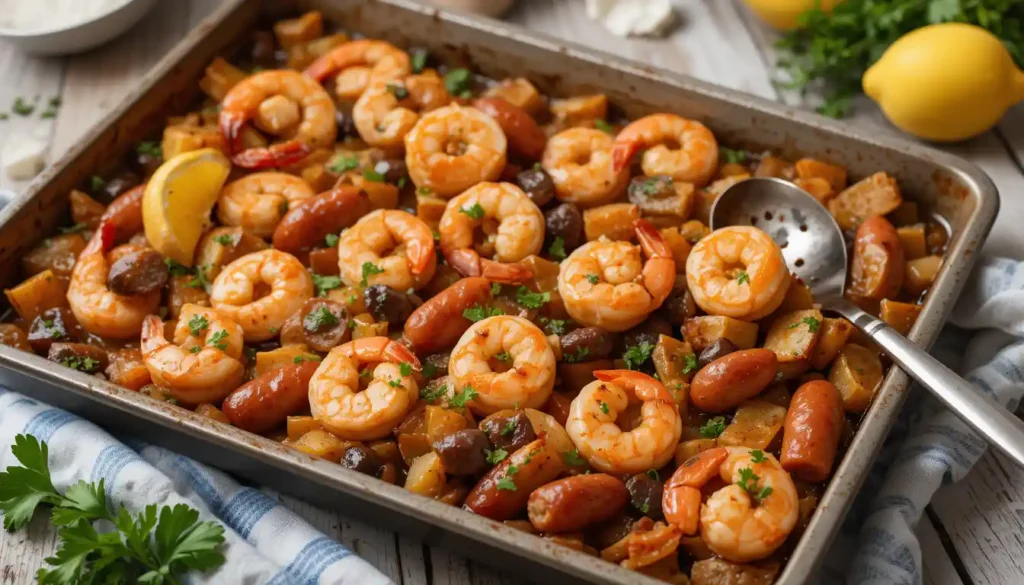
(264, 541)
(929, 447)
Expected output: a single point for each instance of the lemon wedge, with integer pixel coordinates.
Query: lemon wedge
(178, 199)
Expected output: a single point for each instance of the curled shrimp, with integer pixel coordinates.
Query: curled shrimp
(387, 246)
(746, 520)
(360, 64)
(512, 224)
(259, 291)
(386, 112)
(508, 363)
(693, 159)
(592, 422)
(606, 284)
(301, 111)
(98, 309)
(579, 161)
(335, 398)
(453, 148)
(256, 203)
(739, 272)
(202, 363)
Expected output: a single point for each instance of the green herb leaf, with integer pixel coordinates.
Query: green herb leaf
(429, 370)
(495, 289)
(603, 126)
(573, 459)
(373, 176)
(396, 383)
(369, 269)
(474, 211)
(405, 369)
(199, 278)
(757, 456)
(431, 393)
(96, 183)
(478, 313)
(22, 107)
(714, 427)
(305, 358)
(506, 484)
(398, 91)
(418, 60)
(503, 357)
(581, 353)
(743, 278)
(531, 300)
(554, 326)
(812, 324)
(593, 278)
(461, 397)
(218, 340)
(343, 163)
(557, 249)
(690, 363)
(153, 149)
(226, 240)
(331, 240)
(325, 283)
(637, 355)
(495, 457)
(197, 324)
(731, 156)
(509, 428)
(319, 319)
(458, 81)
(604, 407)
(23, 488)
(176, 269)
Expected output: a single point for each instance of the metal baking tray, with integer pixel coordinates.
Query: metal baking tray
(949, 186)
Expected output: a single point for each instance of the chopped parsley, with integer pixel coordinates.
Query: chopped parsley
(733, 157)
(506, 484)
(370, 269)
(226, 240)
(779, 376)
(429, 370)
(603, 126)
(581, 353)
(458, 82)
(557, 249)
(531, 300)
(432, 393)
(373, 176)
(495, 457)
(503, 357)
(474, 211)
(319, 319)
(478, 313)
(638, 354)
(593, 278)
(604, 407)
(495, 289)
(396, 383)
(509, 428)
(401, 182)
(652, 185)
(573, 459)
(218, 340)
(325, 283)
(554, 326)
(195, 349)
(398, 91)
(305, 358)
(714, 427)
(425, 191)
(460, 398)
(150, 148)
(331, 240)
(343, 163)
(645, 508)
(23, 107)
(748, 481)
(418, 61)
(757, 456)
(199, 278)
(691, 364)
(82, 364)
(812, 324)
(177, 269)
(405, 369)
(743, 278)
(197, 324)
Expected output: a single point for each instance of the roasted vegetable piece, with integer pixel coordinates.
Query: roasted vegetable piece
(509, 433)
(877, 267)
(793, 337)
(876, 195)
(37, 294)
(463, 452)
(901, 316)
(701, 332)
(921, 273)
(834, 333)
(57, 254)
(857, 373)
(755, 425)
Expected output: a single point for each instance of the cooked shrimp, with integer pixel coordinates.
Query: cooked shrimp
(746, 520)
(387, 246)
(512, 224)
(257, 202)
(679, 148)
(606, 284)
(370, 61)
(508, 363)
(592, 422)
(579, 161)
(337, 402)
(98, 309)
(738, 272)
(453, 148)
(259, 291)
(203, 363)
(265, 96)
(386, 112)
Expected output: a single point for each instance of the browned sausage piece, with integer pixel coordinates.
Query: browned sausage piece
(78, 356)
(878, 265)
(810, 435)
(137, 273)
(307, 224)
(730, 380)
(524, 135)
(266, 402)
(576, 502)
(502, 493)
(438, 323)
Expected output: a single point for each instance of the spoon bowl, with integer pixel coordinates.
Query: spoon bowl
(814, 249)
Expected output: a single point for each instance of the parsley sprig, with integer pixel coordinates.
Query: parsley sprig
(812, 324)
(638, 354)
(154, 547)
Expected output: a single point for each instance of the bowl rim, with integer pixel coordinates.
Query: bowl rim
(13, 33)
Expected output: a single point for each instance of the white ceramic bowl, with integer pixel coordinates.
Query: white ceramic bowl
(82, 36)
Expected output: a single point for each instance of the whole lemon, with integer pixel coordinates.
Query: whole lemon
(945, 82)
(783, 14)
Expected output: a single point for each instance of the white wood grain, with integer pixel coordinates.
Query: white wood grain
(35, 80)
(938, 567)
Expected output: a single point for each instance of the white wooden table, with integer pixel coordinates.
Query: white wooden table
(974, 531)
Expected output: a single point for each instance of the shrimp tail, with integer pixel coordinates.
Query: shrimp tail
(643, 386)
(152, 336)
(699, 469)
(651, 241)
(468, 263)
(419, 256)
(681, 506)
(398, 353)
(231, 124)
(274, 156)
(622, 153)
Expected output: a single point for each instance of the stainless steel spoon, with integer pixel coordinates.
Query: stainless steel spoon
(813, 247)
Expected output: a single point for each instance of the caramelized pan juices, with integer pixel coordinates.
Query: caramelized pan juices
(505, 301)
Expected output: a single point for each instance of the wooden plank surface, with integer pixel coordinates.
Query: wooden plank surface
(981, 518)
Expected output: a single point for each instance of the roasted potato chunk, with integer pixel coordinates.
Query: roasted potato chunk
(857, 373)
(614, 221)
(876, 195)
(921, 273)
(702, 331)
(901, 316)
(834, 334)
(754, 425)
(793, 337)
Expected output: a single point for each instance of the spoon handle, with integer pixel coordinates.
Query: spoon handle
(982, 413)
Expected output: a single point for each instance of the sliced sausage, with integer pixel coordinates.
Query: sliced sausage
(438, 323)
(307, 224)
(878, 264)
(576, 502)
(730, 380)
(266, 402)
(810, 434)
(137, 273)
(524, 135)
